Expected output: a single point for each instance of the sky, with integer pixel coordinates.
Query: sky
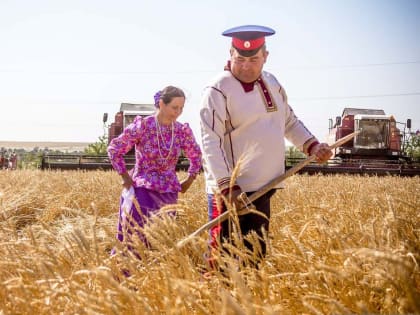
(65, 63)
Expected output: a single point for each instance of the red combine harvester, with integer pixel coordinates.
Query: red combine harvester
(380, 138)
(378, 149)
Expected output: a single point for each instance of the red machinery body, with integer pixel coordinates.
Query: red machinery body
(380, 138)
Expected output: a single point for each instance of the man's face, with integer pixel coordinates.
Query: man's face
(247, 69)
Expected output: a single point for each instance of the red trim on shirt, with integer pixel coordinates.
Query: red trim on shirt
(311, 146)
(247, 86)
(268, 101)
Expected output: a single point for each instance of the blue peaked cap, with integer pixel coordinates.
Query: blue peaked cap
(249, 32)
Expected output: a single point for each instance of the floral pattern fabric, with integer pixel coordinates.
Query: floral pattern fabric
(155, 162)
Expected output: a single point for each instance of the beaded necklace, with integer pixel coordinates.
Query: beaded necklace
(160, 138)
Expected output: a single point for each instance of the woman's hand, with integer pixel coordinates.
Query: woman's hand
(186, 183)
(127, 182)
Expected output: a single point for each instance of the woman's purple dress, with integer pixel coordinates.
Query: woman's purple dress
(154, 175)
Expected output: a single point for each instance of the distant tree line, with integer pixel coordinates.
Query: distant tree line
(412, 148)
(99, 147)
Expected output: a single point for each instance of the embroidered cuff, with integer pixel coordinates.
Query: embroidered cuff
(223, 183)
(310, 148)
(309, 145)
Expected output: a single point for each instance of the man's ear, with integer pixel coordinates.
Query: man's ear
(266, 55)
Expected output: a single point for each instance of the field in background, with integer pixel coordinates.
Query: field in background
(59, 146)
(338, 245)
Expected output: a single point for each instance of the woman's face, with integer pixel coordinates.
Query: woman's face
(173, 109)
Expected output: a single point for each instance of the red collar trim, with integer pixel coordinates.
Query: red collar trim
(248, 87)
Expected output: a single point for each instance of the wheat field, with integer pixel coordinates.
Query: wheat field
(337, 245)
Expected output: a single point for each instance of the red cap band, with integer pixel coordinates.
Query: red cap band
(248, 44)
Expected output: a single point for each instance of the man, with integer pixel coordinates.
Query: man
(245, 118)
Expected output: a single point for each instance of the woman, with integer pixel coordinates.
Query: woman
(158, 142)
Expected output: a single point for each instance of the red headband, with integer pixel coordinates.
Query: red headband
(248, 44)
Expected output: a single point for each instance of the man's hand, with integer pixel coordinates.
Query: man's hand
(322, 152)
(232, 195)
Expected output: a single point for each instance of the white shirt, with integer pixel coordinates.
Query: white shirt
(239, 126)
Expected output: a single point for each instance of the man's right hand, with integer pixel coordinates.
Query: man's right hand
(232, 195)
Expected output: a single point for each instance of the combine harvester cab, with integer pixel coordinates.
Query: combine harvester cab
(377, 149)
(380, 138)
